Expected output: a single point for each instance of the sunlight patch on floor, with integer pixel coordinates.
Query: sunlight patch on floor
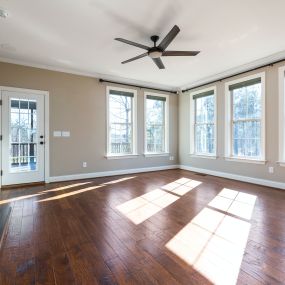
(61, 196)
(65, 187)
(119, 180)
(213, 243)
(234, 202)
(18, 198)
(143, 207)
(181, 186)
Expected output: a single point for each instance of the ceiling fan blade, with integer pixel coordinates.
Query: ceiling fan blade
(159, 63)
(169, 38)
(135, 58)
(179, 53)
(132, 43)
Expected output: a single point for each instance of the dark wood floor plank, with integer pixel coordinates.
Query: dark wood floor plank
(73, 232)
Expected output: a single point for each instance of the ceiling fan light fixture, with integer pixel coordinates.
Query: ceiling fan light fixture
(155, 54)
(157, 51)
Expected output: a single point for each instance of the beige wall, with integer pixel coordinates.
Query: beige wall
(238, 168)
(78, 104)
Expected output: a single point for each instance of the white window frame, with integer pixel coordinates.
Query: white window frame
(281, 73)
(166, 122)
(192, 123)
(134, 153)
(228, 121)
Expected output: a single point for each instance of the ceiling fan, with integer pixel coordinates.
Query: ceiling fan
(156, 52)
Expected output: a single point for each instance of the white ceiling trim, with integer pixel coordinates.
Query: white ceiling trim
(93, 74)
(233, 71)
(204, 81)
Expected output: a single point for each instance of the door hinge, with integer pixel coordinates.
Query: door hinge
(1, 172)
(0, 102)
(1, 137)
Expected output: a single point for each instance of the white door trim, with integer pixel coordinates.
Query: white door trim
(46, 123)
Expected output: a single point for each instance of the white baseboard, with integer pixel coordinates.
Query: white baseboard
(258, 181)
(263, 182)
(110, 173)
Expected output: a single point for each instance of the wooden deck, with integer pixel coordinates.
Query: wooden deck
(167, 227)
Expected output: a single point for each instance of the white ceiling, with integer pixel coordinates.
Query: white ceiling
(79, 36)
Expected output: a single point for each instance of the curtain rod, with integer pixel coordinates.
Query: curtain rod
(233, 75)
(137, 86)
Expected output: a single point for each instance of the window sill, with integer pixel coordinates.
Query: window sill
(281, 163)
(246, 160)
(121, 156)
(156, 154)
(203, 156)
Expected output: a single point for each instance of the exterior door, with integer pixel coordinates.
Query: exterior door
(23, 148)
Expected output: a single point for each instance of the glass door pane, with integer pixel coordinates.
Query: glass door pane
(23, 135)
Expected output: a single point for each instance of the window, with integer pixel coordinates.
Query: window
(203, 122)
(121, 109)
(282, 115)
(156, 123)
(245, 118)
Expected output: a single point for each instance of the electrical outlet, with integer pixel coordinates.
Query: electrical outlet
(84, 164)
(271, 169)
(171, 157)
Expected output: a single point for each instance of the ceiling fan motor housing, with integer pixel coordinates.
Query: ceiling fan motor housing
(154, 52)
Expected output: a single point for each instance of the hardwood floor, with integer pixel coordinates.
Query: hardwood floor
(167, 227)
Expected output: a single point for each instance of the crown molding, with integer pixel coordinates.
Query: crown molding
(230, 72)
(96, 75)
(242, 68)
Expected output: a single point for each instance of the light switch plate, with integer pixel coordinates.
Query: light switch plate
(57, 133)
(65, 134)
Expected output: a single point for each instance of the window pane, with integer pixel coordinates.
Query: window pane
(23, 135)
(155, 126)
(205, 138)
(254, 101)
(246, 138)
(120, 109)
(121, 138)
(204, 125)
(247, 102)
(205, 109)
(155, 111)
(155, 138)
(120, 124)
(247, 121)
(239, 104)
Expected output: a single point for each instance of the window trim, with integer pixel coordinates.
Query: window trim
(134, 153)
(166, 121)
(281, 81)
(228, 121)
(193, 153)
